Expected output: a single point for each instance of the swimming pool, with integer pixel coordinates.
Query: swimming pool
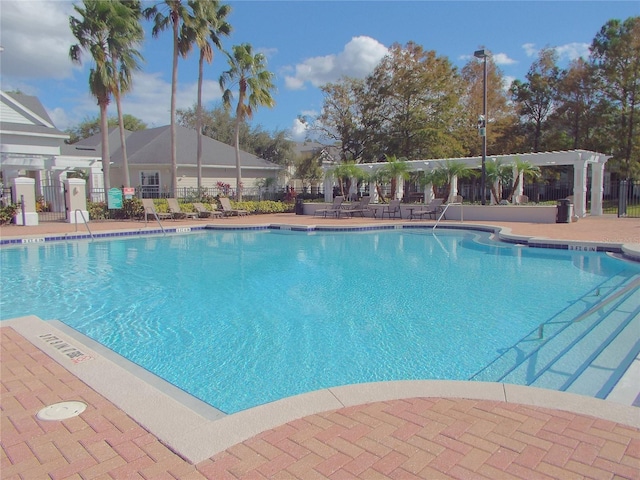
(243, 318)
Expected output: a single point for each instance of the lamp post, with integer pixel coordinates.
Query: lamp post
(482, 123)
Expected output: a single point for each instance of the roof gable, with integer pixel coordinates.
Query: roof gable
(23, 109)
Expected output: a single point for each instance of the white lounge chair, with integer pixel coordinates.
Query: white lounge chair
(177, 212)
(228, 210)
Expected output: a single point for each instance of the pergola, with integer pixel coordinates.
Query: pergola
(579, 159)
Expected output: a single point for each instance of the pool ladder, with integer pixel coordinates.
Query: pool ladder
(86, 223)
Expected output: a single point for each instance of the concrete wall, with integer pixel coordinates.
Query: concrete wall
(504, 213)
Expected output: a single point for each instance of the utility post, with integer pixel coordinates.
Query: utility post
(482, 124)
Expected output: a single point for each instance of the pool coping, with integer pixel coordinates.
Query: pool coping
(197, 431)
(628, 251)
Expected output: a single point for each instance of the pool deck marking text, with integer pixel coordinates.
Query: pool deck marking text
(74, 354)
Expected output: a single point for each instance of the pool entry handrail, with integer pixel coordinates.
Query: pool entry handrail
(627, 288)
(444, 211)
(86, 223)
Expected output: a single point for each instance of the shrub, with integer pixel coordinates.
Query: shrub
(7, 213)
(97, 210)
(265, 206)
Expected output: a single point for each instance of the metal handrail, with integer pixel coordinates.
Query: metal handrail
(599, 306)
(86, 223)
(444, 211)
(157, 220)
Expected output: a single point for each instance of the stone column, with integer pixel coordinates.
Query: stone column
(597, 188)
(24, 192)
(76, 200)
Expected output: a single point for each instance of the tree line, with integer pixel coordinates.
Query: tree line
(417, 105)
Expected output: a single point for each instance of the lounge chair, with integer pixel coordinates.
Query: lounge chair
(150, 209)
(204, 212)
(392, 208)
(228, 210)
(359, 208)
(432, 209)
(334, 209)
(177, 212)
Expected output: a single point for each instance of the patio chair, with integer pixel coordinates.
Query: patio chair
(432, 209)
(177, 212)
(359, 208)
(392, 208)
(204, 212)
(228, 210)
(150, 209)
(334, 209)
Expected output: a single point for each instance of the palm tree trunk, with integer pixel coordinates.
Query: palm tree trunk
(238, 166)
(106, 158)
(123, 143)
(174, 91)
(199, 120)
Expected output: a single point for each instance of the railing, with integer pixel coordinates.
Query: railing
(633, 285)
(86, 222)
(444, 211)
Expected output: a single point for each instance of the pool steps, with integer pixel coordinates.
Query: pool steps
(586, 357)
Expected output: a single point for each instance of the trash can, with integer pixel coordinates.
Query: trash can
(299, 206)
(564, 211)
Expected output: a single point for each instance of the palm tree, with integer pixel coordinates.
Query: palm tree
(497, 174)
(436, 178)
(255, 84)
(126, 33)
(345, 172)
(394, 168)
(527, 169)
(450, 170)
(176, 17)
(208, 24)
(92, 32)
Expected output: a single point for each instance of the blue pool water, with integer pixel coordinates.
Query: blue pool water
(243, 318)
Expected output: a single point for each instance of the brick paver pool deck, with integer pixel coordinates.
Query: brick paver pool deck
(417, 437)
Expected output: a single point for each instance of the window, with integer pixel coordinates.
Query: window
(150, 184)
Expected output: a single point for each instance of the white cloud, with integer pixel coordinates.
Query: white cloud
(359, 57)
(530, 49)
(150, 98)
(503, 59)
(36, 39)
(573, 51)
(298, 131)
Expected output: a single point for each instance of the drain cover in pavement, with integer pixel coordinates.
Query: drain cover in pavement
(61, 411)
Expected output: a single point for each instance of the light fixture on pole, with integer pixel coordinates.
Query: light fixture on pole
(482, 123)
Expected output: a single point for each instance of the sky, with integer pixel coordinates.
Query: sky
(306, 44)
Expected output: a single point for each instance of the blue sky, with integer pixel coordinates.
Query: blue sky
(307, 43)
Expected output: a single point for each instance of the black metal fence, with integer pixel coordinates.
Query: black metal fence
(627, 202)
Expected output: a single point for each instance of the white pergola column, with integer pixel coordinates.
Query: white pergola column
(580, 188)
(428, 193)
(496, 187)
(597, 188)
(328, 188)
(520, 189)
(373, 192)
(353, 189)
(454, 188)
(399, 187)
